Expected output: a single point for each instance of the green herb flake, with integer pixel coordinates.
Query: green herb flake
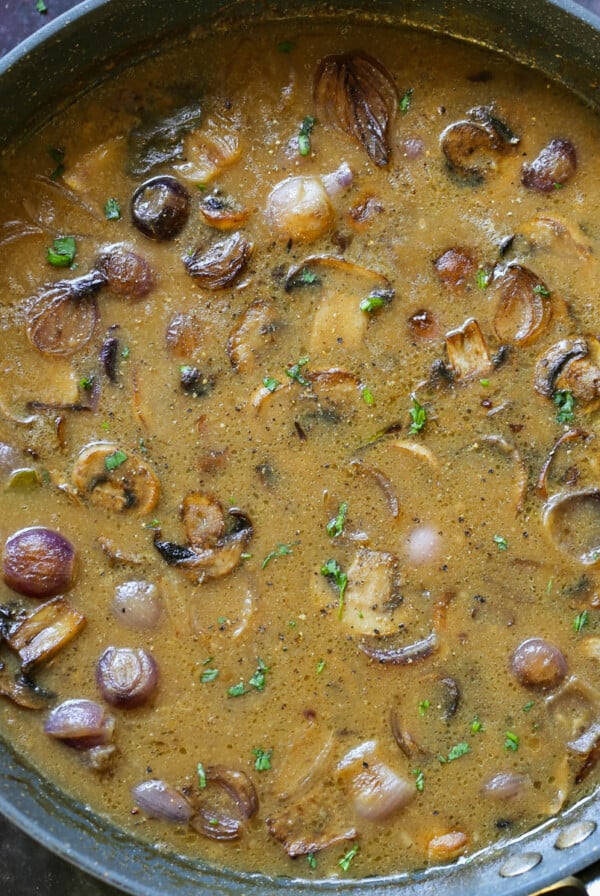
(346, 860)
(501, 542)
(282, 550)
(58, 157)
(484, 383)
(62, 252)
(295, 372)
(259, 678)
(476, 725)
(237, 690)
(306, 277)
(41, 7)
(483, 278)
(222, 620)
(112, 209)
(529, 706)
(335, 527)
(332, 570)
(511, 741)
(320, 666)
(286, 46)
(459, 750)
(153, 524)
(125, 352)
(367, 396)
(541, 290)
(423, 707)
(292, 623)
(304, 135)
(373, 302)
(312, 861)
(114, 460)
(209, 675)
(419, 779)
(405, 101)
(418, 415)
(262, 762)
(581, 620)
(565, 402)
(270, 383)
(201, 776)
(245, 555)
(86, 382)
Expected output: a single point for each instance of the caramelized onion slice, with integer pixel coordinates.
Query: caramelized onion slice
(114, 480)
(524, 305)
(572, 520)
(356, 94)
(570, 436)
(39, 636)
(386, 487)
(467, 349)
(215, 821)
(394, 651)
(157, 799)
(219, 266)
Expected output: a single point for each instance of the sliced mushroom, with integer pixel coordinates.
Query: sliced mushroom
(473, 146)
(552, 168)
(468, 353)
(215, 561)
(331, 396)
(357, 95)
(393, 649)
(524, 305)
(572, 520)
(455, 267)
(403, 737)
(575, 712)
(221, 212)
(571, 435)
(380, 479)
(41, 634)
(203, 520)
(61, 319)
(549, 365)
(581, 375)
(220, 265)
(22, 691)
(114, 480)
(372, 592)
(252, 335)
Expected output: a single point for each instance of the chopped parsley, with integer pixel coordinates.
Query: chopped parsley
(286, 46)
(41, 7)
(581, 620)
(112, 209)
(282, 550)
(373, 302)
(270, 383)
(58, 157)
(295, 371)
(305, 277)
(262, 762)
(332, 570)
(367, 396)
(484, 383)
(565, 402)
(501, 542)
(418, 415)
(405, 101)
(259, 678)
(86, 382)
(419, 779)
(457, 751)
(201, 776)
(62, 252)
(237, 690)
(320, 666)
(511, 741)
(346, 860)
(541, 290)
(476, 725)
(423, 707)
(304, 135)
(312, 861)
(529, 706)
(114, 460)
(153, 524)
(483, 278)
(335, 527)
(209, 675)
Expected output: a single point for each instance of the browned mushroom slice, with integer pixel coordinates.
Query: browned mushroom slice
(39, 636)
(558, 236)
(455, 267)
(403, 737)
(581, 375)
(22, 691)
(115, 481)
(364, 469)
(212, 562)
(252, 334)
(467, 351)
(393, 649)
(524, 305)
(61, 318)
(203, 520)
(552, 168)
(473, 147)
(574, 710)
(549, 365)
(219, 266)
(227, 802)
(573, 522)
(357, 95)
(372, 593)
(308, 824)
(331, 396)
(222, 213)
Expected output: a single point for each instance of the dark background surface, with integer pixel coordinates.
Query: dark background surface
(25, 868)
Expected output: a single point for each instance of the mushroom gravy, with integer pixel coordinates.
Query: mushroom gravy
(298, 409)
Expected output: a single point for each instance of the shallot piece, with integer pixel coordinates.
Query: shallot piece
(160, 207)
(506, 785)
(159, 800)
(218, 266)
(299, 208)
(127, 273)
(39, 562)
(137, 605)
(537, 663)
(211, 818)
(552, 168)
(61, 319)
(126, 677)
(80, 724)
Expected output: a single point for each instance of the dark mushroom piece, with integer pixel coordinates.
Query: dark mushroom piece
(552, 168)
(549, 365)
(41, 634)
(126, 677)
(39, 562)
(160, 207)
(127, 273)
(115, 481)
(220, 265)
(472, 147)
(404, 738)
(357, 95)
(109, 357)
(61, 319)
(22, 691)
(468, 354)
(455, 267)
(537, 663)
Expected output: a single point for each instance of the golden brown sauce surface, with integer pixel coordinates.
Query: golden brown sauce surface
(236, 375)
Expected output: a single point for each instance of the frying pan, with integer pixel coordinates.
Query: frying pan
(77, 50)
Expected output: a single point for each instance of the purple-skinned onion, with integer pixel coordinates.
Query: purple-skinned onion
(158, 799)
(80, 724)
(126, 677)
(39, 562)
